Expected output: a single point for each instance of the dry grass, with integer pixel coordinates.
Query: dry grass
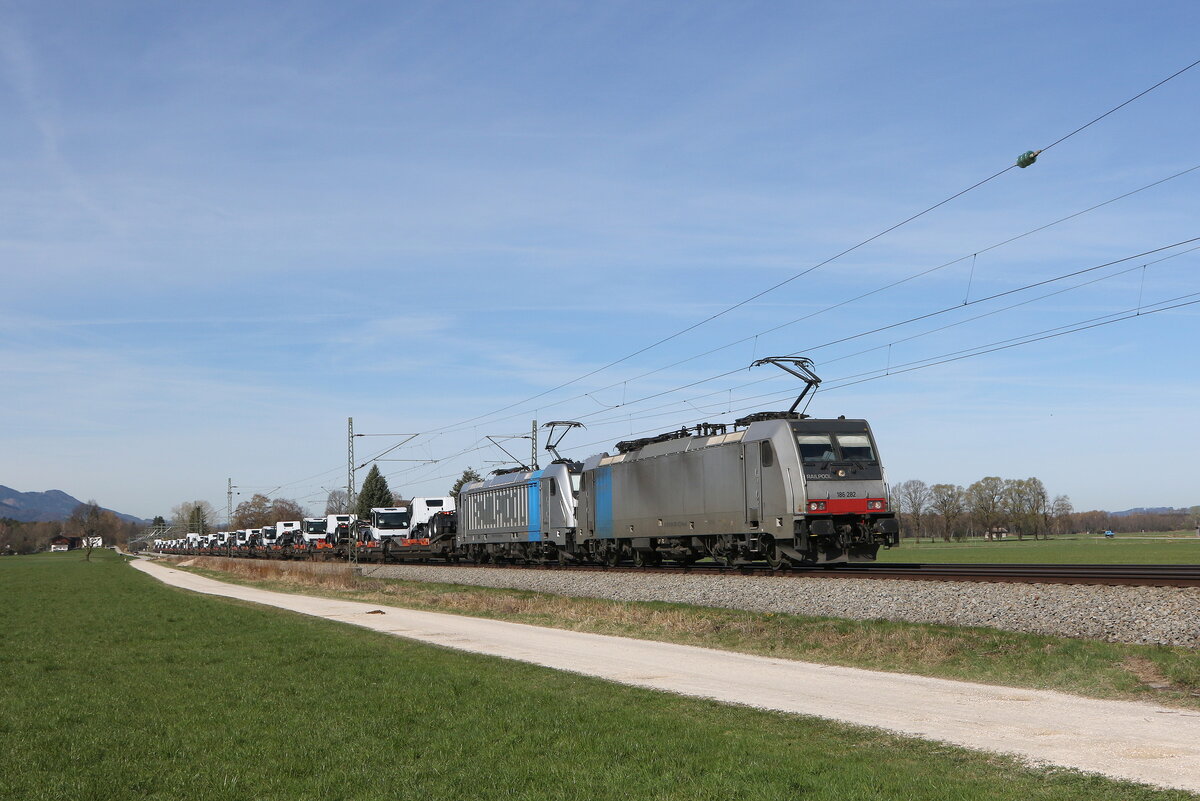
(1147, 672)
(326, 575)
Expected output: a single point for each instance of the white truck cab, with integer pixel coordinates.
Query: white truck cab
(409, 520)
(284, 527)
(312, 530)
(340, 528)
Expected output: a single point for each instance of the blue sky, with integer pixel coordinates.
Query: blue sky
(226, 227)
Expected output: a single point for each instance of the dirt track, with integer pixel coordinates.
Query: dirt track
(1141, 742)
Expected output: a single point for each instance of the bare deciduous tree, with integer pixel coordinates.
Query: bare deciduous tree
(984, 501)
(254, 513)
(287, 509)
(1061, 511)
(950, 502)
(1023, 501)
(338, 503)
(914, 500)
(91, 524)
(193, 516)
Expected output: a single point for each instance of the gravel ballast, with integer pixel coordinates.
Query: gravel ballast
(1136, 615)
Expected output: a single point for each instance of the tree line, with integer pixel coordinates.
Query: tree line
(87, 520)
(995, 507)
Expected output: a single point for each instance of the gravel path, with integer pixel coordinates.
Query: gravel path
(1138, 615)
(1136, 741)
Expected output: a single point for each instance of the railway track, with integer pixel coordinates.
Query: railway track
(1129, 575)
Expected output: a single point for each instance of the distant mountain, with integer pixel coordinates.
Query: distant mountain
(31, 507)
(1151, 510)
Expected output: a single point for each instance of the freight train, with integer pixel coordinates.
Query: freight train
(780, 488)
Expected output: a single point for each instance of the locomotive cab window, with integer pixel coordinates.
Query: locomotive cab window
(855, 447)
(768, 455)
(815, 447)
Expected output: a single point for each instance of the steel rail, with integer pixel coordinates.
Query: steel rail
(1105, 574)
(1122, 574)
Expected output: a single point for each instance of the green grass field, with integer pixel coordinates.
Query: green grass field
(1158, 674)
(116, 687)
(1164, 548)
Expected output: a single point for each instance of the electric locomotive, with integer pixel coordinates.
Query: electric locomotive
(784, 488)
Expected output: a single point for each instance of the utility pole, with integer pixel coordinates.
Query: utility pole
(350, 462)
(352, 555)
(229, 504)
(533, 442)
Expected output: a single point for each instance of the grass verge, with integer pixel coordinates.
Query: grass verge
(1159, 674)
(1161, 548)
(118, 687)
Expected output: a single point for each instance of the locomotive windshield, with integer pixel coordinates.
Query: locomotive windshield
(817, 448)
(392, 519)
(855, 447)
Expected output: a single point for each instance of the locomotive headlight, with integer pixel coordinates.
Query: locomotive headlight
(875, 504)
(816, 506)
(841, 474)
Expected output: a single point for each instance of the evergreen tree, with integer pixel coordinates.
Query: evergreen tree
(197, 520)
(469, 475)
(375, 493)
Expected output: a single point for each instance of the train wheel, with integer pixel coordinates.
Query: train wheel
(721, 550)
(774, 558)
(643, 559)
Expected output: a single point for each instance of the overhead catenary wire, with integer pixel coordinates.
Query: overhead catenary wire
(997, 295)
(915, 318)
(810, 315)
(1130, 314)
(893, 370)
(834, 384)
(827, 261)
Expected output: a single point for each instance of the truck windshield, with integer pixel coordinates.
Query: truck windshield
(391, 519)
(314, 526)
